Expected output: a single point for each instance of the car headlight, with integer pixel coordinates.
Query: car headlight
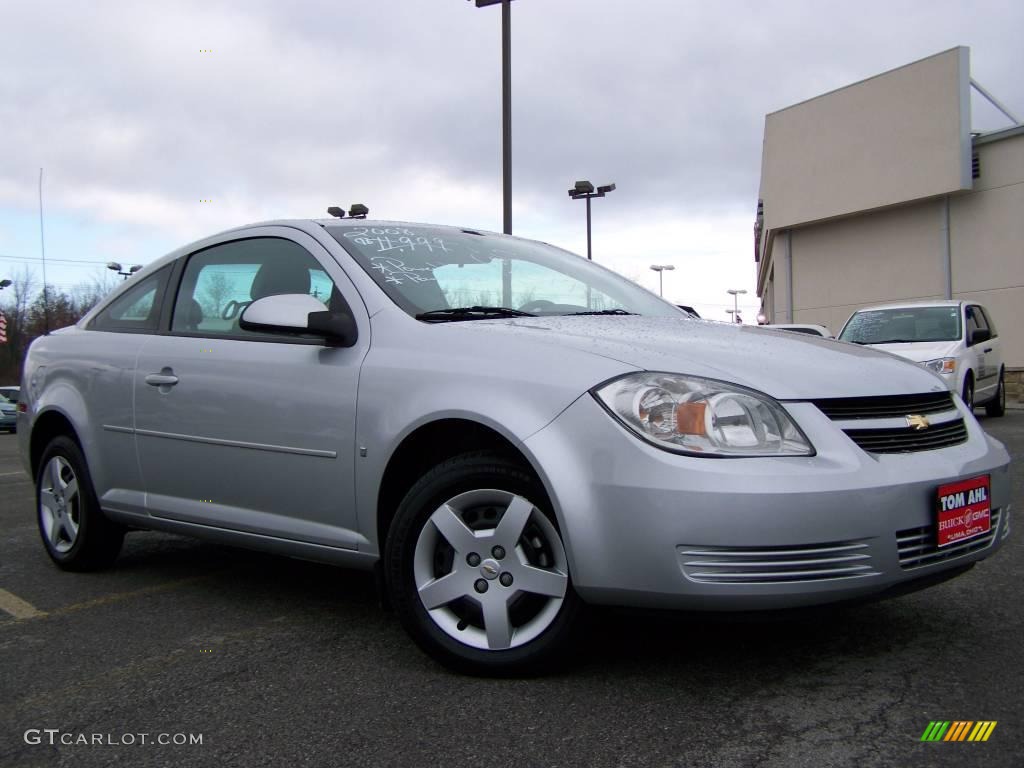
(702, 417)
(941, 365)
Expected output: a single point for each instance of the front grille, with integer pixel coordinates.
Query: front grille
(917, 546)
(885, 407)
(907, 439)
(771, 565)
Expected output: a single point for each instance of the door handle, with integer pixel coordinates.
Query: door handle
(987, 349)
(161, 379)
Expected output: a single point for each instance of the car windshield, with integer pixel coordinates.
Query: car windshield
(903, 326)
(452, 274)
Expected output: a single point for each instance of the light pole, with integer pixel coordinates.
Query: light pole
(735, 292)
(660, 269)
(506, 107)
(584, 190)
(735, 314)
(114, 266)
(4, 283)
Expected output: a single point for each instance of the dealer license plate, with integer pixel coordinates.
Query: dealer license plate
(964, 510)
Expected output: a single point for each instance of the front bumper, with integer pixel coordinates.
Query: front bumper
(645, 527)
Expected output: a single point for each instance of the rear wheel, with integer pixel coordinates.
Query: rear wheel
(997, 405)
(76, 534)
(477, 571)
(968, 393)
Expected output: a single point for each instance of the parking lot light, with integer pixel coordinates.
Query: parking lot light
(126, 273)
(661, 269)
(585, 190)
(735, 292)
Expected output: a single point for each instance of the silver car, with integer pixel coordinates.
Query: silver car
(502, 430)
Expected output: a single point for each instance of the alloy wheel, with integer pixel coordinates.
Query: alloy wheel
(490, 569)
(60, 504)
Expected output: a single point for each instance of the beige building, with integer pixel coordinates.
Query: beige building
(881, 192)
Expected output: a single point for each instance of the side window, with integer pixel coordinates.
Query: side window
(972, 322)
(975, 321)
(137, 310)
(987, 320)
(220, 282)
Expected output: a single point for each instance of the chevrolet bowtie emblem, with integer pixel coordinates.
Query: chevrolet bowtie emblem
(917, 423)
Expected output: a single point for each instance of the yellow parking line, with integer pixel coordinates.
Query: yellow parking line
(17, 607)
(117, 597)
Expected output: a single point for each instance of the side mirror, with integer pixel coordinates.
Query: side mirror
(299, 313)
(979, 335)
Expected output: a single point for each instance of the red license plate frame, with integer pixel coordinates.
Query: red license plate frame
(963, 510)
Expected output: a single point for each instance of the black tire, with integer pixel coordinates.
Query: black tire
(968, 393)
(997, 405)
(480, 473)
(97, 540)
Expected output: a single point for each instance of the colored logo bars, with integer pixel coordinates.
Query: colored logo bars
(958, 730)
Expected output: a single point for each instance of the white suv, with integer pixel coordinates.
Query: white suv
(955, 339)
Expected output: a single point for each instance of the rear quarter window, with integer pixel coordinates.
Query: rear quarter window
(137, 310)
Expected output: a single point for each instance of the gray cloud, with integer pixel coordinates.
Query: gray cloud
(396, 102)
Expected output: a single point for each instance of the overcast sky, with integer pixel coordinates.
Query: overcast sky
(396, 103)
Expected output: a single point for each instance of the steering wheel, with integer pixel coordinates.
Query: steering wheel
(233, 308)
(536, 305)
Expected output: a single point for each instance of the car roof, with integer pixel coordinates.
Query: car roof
(334, 221)
(913, 304)
(305, 225)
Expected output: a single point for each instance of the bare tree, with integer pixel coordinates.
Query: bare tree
(19, 298)
(31, 313)
(525, 296)
(91, 292)
(218, 288)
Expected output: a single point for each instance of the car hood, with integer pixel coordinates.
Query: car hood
(920, 351)
(787, 366)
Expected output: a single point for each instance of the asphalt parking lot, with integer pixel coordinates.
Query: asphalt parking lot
(280, 662)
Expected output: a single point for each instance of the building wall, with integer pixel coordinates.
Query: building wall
(884, 256)
(987, 238)
(898, 254)
(902, 135)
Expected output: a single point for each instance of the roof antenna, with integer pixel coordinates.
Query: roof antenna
(336, 211)
(358, 211)
(42, 247)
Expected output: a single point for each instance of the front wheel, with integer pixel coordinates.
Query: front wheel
(968, 393)
(477, 570)
(997, 405)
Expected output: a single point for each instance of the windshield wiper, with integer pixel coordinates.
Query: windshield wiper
(457, 314)
(604, 312)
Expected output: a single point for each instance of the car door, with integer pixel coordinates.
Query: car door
(252, 431)
(110, 342)
(986, 359)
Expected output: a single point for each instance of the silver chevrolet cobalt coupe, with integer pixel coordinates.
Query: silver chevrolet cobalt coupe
(503, 430)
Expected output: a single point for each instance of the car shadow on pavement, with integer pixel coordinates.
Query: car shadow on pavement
(610, 641)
